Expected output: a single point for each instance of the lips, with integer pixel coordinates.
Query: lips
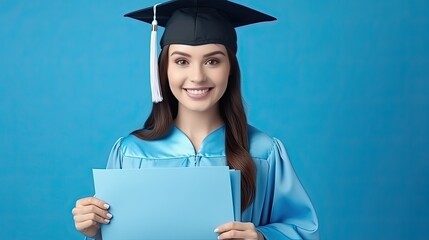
(197, 92)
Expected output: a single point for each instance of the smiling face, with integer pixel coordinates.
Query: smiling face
(198, 76)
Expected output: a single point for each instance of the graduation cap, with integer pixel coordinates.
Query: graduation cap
(195, 22)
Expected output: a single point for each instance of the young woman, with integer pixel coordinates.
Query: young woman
(201, 122)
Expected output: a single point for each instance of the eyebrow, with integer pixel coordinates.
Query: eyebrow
(205, 55)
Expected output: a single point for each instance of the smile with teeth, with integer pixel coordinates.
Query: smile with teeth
(197, 91)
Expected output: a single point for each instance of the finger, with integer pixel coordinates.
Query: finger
(92, 209)
(92, 201)
(234, 226)
(237, 234)
(231, 234)
(91, 217)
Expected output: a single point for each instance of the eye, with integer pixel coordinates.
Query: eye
(181, 62)
(212, 62)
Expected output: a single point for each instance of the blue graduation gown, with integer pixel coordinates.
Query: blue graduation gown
(281, 210)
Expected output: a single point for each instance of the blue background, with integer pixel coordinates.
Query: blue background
(344, 84)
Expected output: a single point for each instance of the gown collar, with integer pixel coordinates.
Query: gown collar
(212, 144)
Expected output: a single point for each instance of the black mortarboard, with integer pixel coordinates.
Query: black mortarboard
(196, 22)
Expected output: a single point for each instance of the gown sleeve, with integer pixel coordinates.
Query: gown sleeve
(288, 211)
(116, 155)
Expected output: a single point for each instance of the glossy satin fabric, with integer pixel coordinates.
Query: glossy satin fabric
(281, 210)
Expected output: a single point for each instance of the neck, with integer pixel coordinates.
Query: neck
(197, 125)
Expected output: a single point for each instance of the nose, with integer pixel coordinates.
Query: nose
(197, 74)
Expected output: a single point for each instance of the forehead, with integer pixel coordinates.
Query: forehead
(198, 50)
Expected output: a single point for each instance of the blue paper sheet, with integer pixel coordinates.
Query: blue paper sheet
(167, 203)
(236, 193)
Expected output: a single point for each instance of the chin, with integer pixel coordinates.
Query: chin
(199, 108)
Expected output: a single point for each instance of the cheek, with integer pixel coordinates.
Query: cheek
(174, 86)
(222, 84)
(175, 83)
(224, 78)
(172, 78)
(169, 75)
(174, 89)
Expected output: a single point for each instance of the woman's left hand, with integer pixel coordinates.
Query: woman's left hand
(238, 230)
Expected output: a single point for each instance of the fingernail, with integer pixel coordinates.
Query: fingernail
(216, 230)
(107, 220)
(106, 206)
(109, 215)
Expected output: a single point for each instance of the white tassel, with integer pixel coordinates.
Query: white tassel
(154, 75)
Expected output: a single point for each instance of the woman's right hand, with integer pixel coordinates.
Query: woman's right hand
(88, 214)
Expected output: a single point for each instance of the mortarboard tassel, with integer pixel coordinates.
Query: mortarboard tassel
(154, 75)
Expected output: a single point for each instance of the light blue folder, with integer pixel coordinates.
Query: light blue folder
(168, 203)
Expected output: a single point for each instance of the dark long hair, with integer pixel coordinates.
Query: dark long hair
(232, 112)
